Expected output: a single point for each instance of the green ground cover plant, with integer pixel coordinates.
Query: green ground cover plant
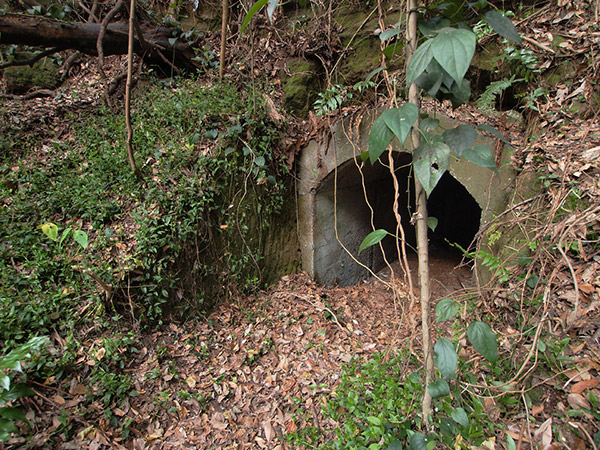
(87, 248)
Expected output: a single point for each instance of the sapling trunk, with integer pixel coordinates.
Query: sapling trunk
(421, 223)
(130, 156)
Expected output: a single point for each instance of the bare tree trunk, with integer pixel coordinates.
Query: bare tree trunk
(130, 155)
(225, 19)
(421, 224)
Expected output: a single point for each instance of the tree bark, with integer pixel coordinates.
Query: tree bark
(421, 225)
(44, 32)
(130, 155)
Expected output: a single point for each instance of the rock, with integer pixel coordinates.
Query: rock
(44, 74)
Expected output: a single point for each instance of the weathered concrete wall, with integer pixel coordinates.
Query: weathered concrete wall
(333, 213)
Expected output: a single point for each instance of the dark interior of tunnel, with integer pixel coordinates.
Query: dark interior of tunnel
(457, 212)
(340, 201)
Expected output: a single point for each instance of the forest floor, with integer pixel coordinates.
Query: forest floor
(260, 368)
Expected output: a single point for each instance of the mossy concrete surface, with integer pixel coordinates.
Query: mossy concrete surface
(301, 85)
(44, 74)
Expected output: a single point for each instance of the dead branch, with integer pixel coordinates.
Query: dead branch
(103, 26)
(31, 61)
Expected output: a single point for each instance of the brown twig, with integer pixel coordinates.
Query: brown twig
(31, 61)
(103, 26)
(30, 95)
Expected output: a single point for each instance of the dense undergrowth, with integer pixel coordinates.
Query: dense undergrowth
(86, 247)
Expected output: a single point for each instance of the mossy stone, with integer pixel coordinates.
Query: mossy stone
(300, 86)
(44, 74)
(358, 33)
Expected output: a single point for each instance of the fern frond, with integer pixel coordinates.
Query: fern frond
(487, 99)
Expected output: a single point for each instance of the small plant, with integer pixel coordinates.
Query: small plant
(334, 97)
(12, 386)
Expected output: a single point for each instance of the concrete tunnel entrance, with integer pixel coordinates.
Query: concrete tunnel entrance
(457, 212)
(466, 197)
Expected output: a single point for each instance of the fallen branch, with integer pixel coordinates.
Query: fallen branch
(29, 62)
(29, 96)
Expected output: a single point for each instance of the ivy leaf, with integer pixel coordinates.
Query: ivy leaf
(418, 441)
(481, 155)
(438, 388)
(387, 34)
(430, 82)
(379, 138)
(429, 125)
(50, 230)
(460, 138)
(483, 339)
(13, 414)
(445, 358)
(419, 62)
(432, 222)
(374, 237)
(390, 50)
(502, 25)
(460, 93)
(395, 445)
(400, 120)
(81, 238)
(430, 162)
(446, 309)
(460, 417)
(454, 49)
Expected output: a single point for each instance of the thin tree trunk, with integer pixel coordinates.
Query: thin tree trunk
(421, 224)
(225, 19)
(130, 155)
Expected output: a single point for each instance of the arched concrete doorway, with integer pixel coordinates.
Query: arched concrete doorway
(334, 216)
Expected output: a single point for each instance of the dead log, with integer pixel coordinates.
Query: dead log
(45, 32)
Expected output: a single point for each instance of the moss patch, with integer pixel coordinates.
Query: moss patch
(300, 85)
(43, 75)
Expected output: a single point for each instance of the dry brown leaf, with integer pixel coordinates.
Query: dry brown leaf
(578, 388)
(578, 401)
(269, 431)
(544, 433)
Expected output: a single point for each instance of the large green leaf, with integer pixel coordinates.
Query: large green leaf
(379, 138)
(81, 238)
(430, 162)
(502, 25)
(446, 309)
(438, 388)
(400, 120)
(418, 441)
(454, 49)
(253, 10)
(460, 138)
(460, 417)
(12, 413)
(419, 62)
(483, 339)
(445, 358)
(12, 361)
(374, 237)
(50, 230)
(4, 382)
(6, 428)
(392, 32)
(482, 155)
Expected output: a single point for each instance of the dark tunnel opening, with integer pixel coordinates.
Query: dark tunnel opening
(457, 212)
